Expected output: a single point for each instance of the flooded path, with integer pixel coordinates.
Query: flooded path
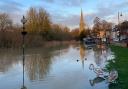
(59, 67)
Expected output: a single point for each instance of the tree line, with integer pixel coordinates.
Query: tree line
(39, 28)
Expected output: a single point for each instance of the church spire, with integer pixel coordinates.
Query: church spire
(82, 24)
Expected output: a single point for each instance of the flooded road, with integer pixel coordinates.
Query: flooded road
(56, 67)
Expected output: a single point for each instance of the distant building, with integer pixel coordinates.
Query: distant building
(115, 34)
(120, 31)
(124, 30)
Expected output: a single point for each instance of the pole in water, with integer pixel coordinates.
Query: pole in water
(23, 20)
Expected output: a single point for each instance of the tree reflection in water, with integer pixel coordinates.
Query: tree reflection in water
(37, 66)
(8, 58)
(38, 62)
(100, 54)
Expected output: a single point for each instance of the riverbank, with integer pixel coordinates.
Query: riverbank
(120, 63)
(120, 44)
(52, 43)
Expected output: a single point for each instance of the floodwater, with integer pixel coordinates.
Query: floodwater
(55, 67)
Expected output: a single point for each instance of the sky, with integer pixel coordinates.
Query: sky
(67, 12)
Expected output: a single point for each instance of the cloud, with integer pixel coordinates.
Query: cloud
(13, 2)
(67, 12)
(71, 3)
(13, 8)
(65, 3)
(124, 4)
(74, 3)
(73, 20)
(70, 20)
(101, 11)
(109, 11)
(10, 6)
(50, 1)
(16, 17)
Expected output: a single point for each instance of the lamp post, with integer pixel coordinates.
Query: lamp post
(23, 21)
(119, 14)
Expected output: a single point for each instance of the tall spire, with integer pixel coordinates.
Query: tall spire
(82, 24)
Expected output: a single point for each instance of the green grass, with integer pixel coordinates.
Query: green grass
(121, 65)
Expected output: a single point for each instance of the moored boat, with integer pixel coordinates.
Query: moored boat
(89, 42)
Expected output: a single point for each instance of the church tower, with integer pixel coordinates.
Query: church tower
(82, 24)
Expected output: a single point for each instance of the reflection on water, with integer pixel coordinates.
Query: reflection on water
(7, 59)
(53, 67)
(82, 54)
(101, 52)
(37, 66)
(96, 80)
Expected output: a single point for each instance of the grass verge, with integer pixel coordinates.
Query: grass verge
(120, 63)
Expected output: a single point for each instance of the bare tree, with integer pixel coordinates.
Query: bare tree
(96, 26)
(101, 25)
(5, 21)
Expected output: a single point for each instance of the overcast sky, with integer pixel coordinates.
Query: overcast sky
(67, 12)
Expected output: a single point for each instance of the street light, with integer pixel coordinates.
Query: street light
(119, 15)
(23, 21)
